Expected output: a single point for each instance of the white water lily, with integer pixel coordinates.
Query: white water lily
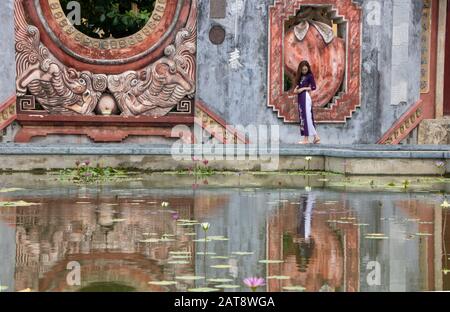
(445, 204)
(309, 158)
(205, 226)
(164, 204)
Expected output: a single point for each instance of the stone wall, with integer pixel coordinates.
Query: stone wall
(7, 54)
(390, 71)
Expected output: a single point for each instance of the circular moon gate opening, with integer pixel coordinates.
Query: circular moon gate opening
(108, 18)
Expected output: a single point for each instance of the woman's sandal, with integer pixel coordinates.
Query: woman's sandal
(303, 143)
(316, 141)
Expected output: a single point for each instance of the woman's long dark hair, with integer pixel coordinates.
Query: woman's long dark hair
(299, 71)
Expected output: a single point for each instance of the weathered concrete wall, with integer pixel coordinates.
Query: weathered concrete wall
(390, 71)
(7, 54)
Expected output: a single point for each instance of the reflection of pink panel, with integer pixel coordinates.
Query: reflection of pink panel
(327, 62)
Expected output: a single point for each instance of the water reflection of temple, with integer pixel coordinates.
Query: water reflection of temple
(321, 236)
(106, 236)
(328, 249)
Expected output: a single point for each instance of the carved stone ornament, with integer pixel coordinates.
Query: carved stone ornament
(154, 90)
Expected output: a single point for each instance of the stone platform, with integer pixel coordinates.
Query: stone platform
(350, 160)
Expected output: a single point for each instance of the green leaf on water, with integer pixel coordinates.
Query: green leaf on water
(270, 261)
(217, 238)
(220, 257)
(119, 220)
(179, 252)
(201, 240)
(9, 190)
(202, 253)
(227, 286)
(220, 280)
(202, 289)
(19, 203)
(294, 288)
(424, 234)
(190, 234)
(189, 277)
(163, 283)
(243, 253)
(178, 262)
(2, 288)
(376, 237)
(221, 266)
(181, 257)
(150, 240)
(279, 277)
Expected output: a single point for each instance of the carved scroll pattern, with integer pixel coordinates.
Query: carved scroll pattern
(154, 90)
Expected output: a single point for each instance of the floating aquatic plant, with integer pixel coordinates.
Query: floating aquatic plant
(10, 190)
(220, 280)
(86, 174)
(445, 204)
(294, 288)
(221, 266)
(163, 283)
(279, 277)
(189, 277)
(19, 203)
(227, 286)
(266, 261)
(203, 289)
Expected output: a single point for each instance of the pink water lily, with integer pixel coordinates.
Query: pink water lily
(254, 282)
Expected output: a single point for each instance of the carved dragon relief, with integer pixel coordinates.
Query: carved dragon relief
(153, 91)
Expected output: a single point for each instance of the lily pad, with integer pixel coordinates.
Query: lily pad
(271, 261)
(220, 257)
(220, 280)
(424, 234)
(163, 283)
(203, 289)
(10, 190)
(178, 262)
(294, 288)
(376, 237)
(243, 253)
(279, 277)
(19, 203)
(190, 277)
(150, 240)
(166, 240)
(201, 240)
(119, 220)
(179, 252)
(181, 257)
(190, 234)
(221, 266)
(2, 288)
(202, 253)
(217, 238)
(227, 286)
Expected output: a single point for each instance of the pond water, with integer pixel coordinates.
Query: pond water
(128, 238)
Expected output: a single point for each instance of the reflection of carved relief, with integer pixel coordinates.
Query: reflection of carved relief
(310, 36)
(154, 90)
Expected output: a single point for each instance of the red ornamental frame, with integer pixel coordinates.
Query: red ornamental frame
(285, 103)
